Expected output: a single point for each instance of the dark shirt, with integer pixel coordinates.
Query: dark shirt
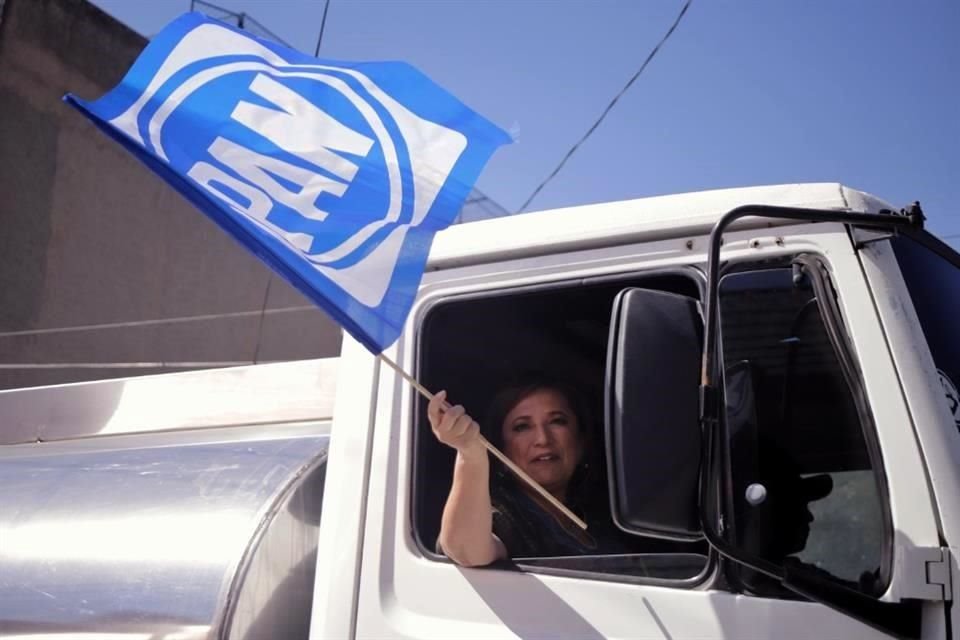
(528, 530)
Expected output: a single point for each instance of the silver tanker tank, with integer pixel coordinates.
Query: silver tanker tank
(175, 507)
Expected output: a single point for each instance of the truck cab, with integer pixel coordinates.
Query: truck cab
(775, 433)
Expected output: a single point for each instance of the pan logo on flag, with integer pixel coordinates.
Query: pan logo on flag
(292, 143)
(337, 175)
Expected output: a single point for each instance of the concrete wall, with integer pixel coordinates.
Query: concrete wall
(89, 237)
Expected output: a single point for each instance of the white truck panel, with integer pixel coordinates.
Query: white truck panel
(405, 595)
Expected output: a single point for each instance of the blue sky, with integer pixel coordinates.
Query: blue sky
(863, 92)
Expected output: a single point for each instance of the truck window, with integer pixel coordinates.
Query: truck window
(473, 346)
(933, 279)
(804, 487)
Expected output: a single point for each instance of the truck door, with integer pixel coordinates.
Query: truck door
(475, 325)
(822, 483)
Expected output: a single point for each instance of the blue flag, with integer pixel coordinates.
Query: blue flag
(336, 174)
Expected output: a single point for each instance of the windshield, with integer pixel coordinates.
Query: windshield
(934, 282)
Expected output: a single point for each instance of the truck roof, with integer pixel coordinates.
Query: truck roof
(659, 217)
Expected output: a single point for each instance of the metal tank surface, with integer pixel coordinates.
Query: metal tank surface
(173, 535)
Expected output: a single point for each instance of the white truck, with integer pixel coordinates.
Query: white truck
(776, 418)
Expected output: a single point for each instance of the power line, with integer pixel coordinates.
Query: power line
(323, 23)
(159, 321)
(263, 315)
(161, 364)
(610, 106)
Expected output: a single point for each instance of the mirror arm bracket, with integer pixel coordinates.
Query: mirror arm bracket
(912, 218)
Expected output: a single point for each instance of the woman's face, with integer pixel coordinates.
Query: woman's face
(541, 435)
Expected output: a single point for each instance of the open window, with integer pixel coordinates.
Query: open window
(472, 345)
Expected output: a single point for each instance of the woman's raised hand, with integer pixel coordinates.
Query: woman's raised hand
(453, 426)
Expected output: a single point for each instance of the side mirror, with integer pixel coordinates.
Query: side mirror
(652, 400)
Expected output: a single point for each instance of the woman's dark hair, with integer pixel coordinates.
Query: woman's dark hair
(582, 489)
(508, 397)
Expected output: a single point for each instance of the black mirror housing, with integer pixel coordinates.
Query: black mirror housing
(653, 435)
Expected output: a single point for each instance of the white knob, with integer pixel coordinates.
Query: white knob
(756, 493)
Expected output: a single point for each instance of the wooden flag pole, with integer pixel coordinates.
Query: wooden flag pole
(520, 473)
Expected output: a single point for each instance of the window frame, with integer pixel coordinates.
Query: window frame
(706, 578)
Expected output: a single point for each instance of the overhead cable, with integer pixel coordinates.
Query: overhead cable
(158, 321)
(160, 364)
(323, 23)
(610, 106)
